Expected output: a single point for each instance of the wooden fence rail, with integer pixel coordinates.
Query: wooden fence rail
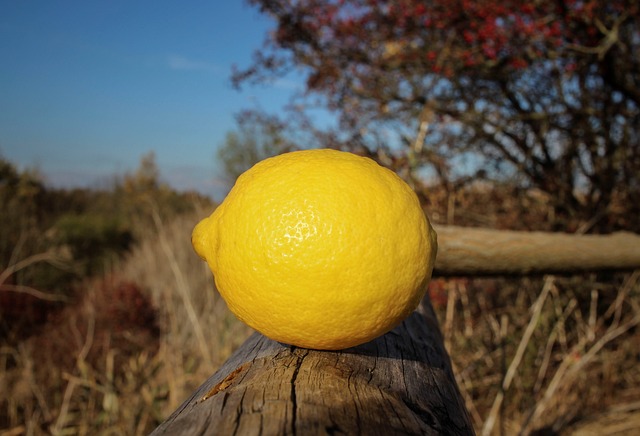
(465, 251)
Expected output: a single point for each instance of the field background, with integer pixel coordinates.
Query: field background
(109, 320)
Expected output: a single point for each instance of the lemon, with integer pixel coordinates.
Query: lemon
(319, 249)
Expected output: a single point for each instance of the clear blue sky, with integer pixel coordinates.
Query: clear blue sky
(88, 87)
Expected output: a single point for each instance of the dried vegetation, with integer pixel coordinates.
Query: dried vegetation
(533, 355)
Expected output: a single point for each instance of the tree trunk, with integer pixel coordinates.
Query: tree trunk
(474, 251)
(398, 384)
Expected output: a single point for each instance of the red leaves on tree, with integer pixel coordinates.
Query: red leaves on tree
(510, 31)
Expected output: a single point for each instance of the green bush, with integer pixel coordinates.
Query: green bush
(94, 240)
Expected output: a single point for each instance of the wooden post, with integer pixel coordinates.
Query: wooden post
(398, 384)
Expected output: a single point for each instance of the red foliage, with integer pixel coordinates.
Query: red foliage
(23, 312)
(112, 315)
(491, 29)
(126, 307)
(438, 293)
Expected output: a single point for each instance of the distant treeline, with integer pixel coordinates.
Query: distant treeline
(77, 233)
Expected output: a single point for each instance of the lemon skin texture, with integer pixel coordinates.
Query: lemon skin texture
(320, 249)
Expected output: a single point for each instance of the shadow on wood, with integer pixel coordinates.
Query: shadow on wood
(398, 384)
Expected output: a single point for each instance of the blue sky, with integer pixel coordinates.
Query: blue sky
(88, 87)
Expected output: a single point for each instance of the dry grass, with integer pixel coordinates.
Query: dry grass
(200, 331)
(556, 353)
(545, 356)
(126, 355)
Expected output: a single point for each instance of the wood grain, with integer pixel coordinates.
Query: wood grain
(398, 384)
(465, 251)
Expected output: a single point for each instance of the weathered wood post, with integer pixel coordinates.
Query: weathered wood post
(398, 384)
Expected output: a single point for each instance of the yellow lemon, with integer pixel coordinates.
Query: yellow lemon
(320, 249)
